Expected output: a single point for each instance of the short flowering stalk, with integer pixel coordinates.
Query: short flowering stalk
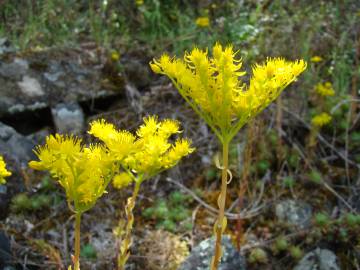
(214, 90)
(141, 157)
(83, 171)
(3, 171)
(127, 240)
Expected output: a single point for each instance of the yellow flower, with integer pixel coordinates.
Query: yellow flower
(147, 153)
(139, 2)
(154, 150)
(316, 59)
(213, 88)
(115, 56)
(3, 171)
(122, 180)
(321, 120)
(202, 21)
(119, 142)
(181, 148)
(325, 89)
(83, 172)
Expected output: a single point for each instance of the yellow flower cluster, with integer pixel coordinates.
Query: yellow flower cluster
(316, 59)
(321, 120)
(83, 172)
(325, 89)
(3, 171)
(139, 2)
(115, 56)
(202, 21)
(146, 153)
(213, 88)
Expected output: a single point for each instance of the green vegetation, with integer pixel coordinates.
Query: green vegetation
(172, 214)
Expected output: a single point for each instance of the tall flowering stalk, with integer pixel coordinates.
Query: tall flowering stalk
(84, 173)
(214, 89)
(149, 152)
(3, 171)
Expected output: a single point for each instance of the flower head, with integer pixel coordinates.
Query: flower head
(83, 172)
(213, 88)
(155, 151)
(321, 120)
(202, 21)
(3, 171)
(147, 153)
(119, 142)
(325, 89)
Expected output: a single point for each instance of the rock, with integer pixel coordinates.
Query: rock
(68, 118)
(30, 87)
(5, 250)
(14, 70)
(5, 46)
(16, 146)
(45, 78)
(294, 212)
(201, 255)
(318, 259)
(17, 151)
(39, 137)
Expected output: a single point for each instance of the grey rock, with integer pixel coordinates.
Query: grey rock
(201, 255)
(15, 145)
(42, 79)
(14, 70)
(5, 46)
(68, 118)
(318, 259)
(30, 87)
(39, 137)
(17, 151)
(293, 212)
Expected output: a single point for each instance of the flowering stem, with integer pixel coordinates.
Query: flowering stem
(220, 224)
(77, 241)
(126, 242)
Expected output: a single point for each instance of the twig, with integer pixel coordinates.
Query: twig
(245, 214)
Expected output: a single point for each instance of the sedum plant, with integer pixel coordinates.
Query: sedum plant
(83, 171)
(141, 157)
(212, 86)
(3, 171)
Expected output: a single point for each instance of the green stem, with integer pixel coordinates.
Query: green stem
(126, 242)
(77, 241)
(220, 224)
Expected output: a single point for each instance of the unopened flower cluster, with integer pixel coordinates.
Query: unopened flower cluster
(3, 171)
(321, 120)
(325, 89)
